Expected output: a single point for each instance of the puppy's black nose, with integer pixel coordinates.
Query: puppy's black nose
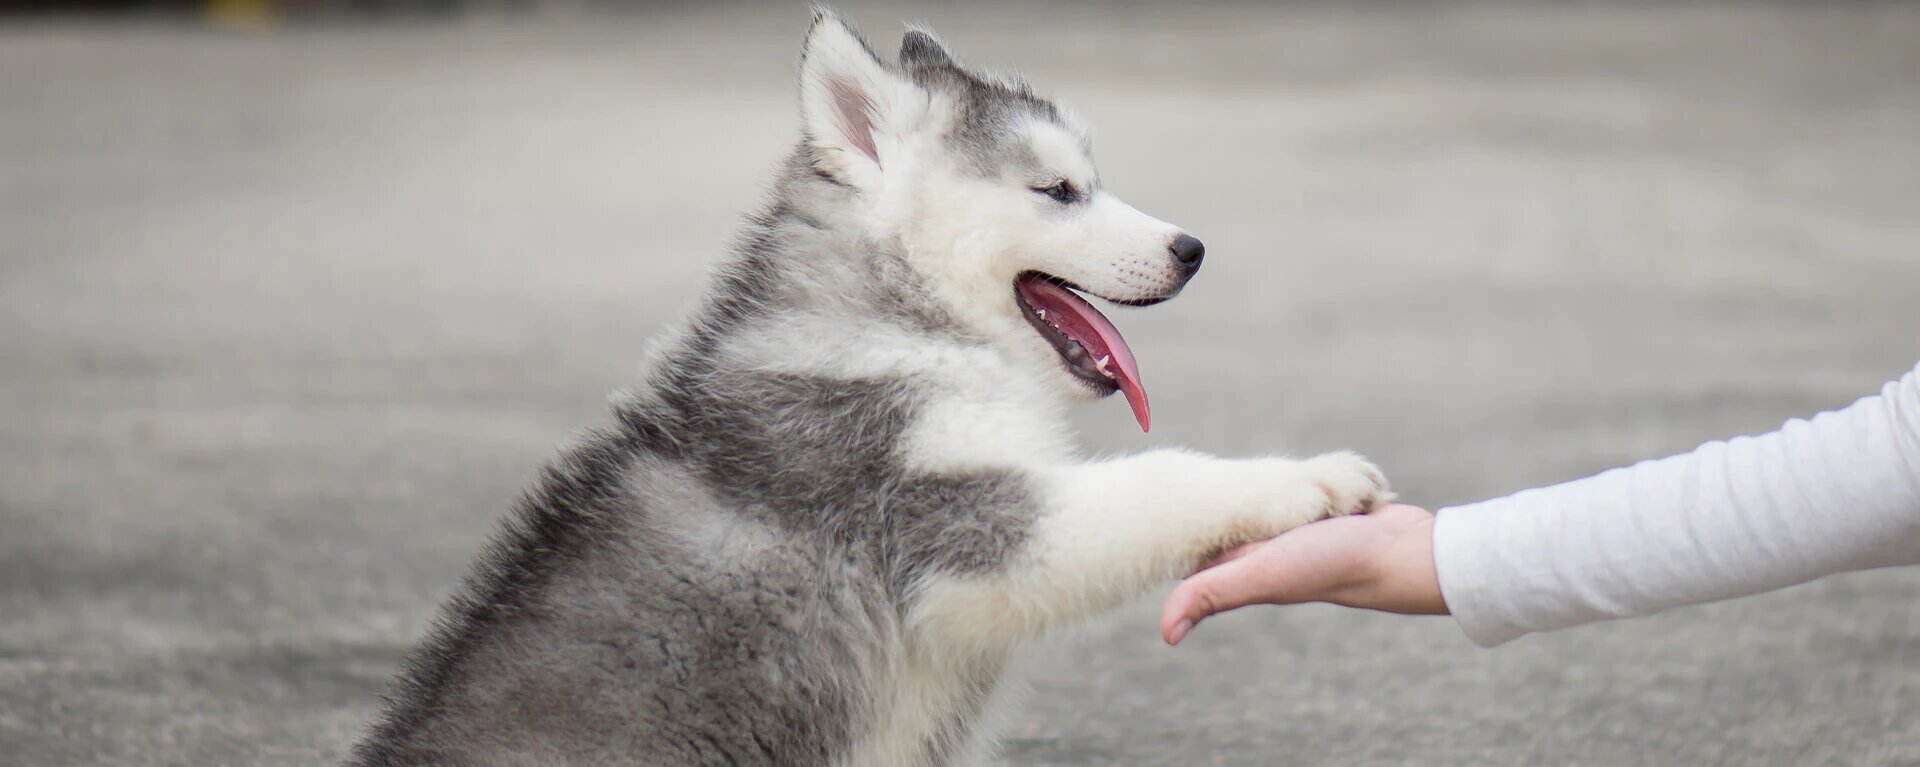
(1188, 250)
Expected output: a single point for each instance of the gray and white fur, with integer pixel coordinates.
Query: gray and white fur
(846, 493)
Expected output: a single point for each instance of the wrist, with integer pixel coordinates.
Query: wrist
(1417, 580)
(1398, 575)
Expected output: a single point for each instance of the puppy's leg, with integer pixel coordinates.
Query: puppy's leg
(1111, 530)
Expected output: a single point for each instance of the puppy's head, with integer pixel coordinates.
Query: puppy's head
(993, 193)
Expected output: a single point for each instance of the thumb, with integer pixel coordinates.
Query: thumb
(1231, 554)
(1232, 585)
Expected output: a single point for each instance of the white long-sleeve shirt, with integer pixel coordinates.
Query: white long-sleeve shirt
(1835, 493)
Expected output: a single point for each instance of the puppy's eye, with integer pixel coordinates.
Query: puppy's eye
(1060, 192)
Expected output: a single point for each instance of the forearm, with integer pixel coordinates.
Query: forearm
(1107, 531)
(1839, 492)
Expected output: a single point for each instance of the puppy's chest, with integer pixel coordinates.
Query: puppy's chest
(933, 710)
(971, 430)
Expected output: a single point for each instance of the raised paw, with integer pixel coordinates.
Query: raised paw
(1352, 484)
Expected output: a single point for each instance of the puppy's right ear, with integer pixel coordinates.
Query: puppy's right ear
(855, 111)
(919, 48)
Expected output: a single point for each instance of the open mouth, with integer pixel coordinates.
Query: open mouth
(1089, 345)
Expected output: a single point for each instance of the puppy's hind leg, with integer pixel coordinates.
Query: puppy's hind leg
(1111, 530)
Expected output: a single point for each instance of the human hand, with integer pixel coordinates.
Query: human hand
(1382, 560)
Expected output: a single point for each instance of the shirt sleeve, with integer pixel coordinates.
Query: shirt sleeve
(1838, 492)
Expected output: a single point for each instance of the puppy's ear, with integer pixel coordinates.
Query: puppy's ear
(855, 111)
(921, 49)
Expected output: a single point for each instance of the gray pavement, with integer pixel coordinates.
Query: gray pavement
(287, 319)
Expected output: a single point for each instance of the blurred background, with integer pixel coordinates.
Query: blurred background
(296, 296)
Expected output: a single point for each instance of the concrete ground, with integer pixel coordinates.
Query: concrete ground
(287, 319)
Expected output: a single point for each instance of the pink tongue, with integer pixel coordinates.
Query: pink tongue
(1081, 322)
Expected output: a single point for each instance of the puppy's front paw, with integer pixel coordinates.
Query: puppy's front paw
(1351, 484)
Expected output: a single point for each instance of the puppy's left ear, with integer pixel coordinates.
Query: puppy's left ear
(855, 111)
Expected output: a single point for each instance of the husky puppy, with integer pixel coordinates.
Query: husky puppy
(847, 491)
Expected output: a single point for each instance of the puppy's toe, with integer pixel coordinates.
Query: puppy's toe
(1353, 485)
